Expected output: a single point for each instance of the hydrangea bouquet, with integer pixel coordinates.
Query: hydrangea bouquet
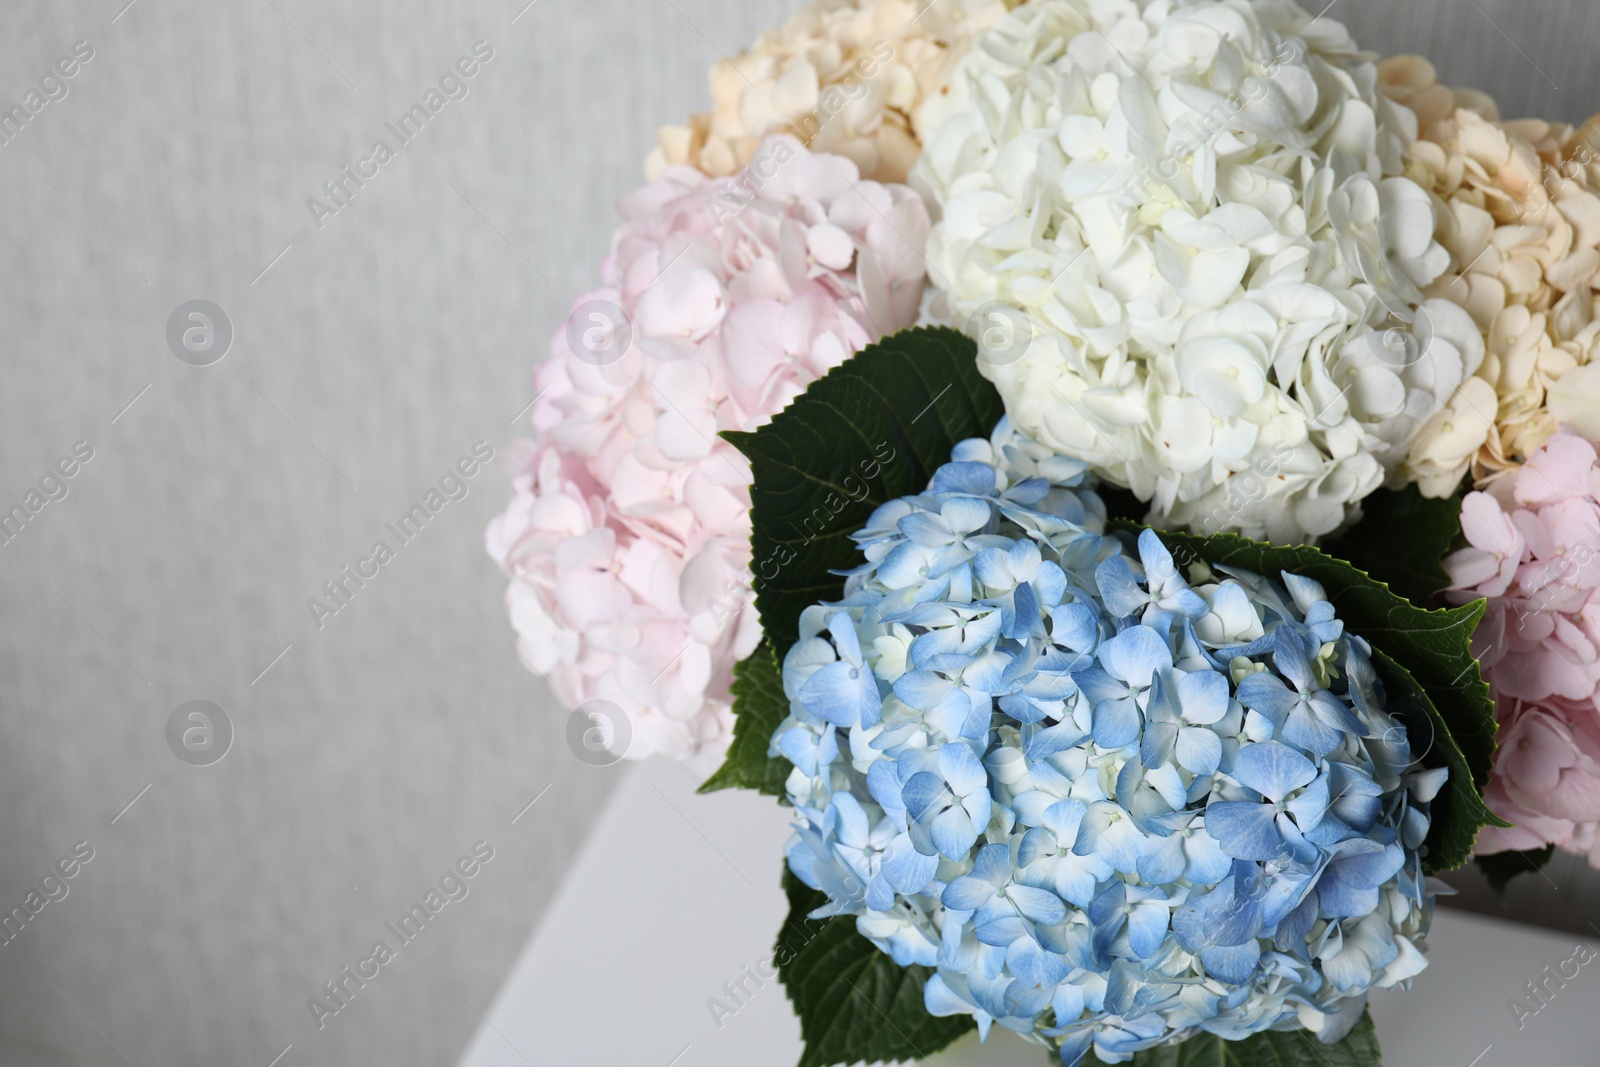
(1113, 469)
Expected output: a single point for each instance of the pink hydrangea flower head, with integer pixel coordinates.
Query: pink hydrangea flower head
(627, 538)
(1533, 553)
(1546, 777)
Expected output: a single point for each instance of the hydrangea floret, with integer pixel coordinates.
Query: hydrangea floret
(1108, 804)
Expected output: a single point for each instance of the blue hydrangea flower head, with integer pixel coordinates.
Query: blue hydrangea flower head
(1111, 802)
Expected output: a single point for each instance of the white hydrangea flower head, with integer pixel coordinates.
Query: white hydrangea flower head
(1180, 232)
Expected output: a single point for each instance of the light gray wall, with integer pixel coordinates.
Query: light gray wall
(364, 362)
(372, 355)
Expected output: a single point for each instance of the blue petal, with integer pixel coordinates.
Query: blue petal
(1219, 918)
(1116, 723)
(1185, 602)
(1134, 655)
(1271, 769)
(1292, 657)
(1356, 798)
(1025, 999)
(1077, 877)
(922, 690)
(953, 834)
(798, 745)
(1074, 626)
(1246, 831)
(1199, 750)
(1024, 557)
(1306, 729)
(906, 869)
(1098, 685)
(993, 865)
(1233, 964)
(921, 792)
(1311, 805)
(1164, 863)
(1074, 1047)
(980, 808)
(993, 567)
(1304, 591)
(958, 716)
(1203, 697)
(1030, 807)
(926, 531)
(851, 825)
(1147, 928)
(966, 514)
(1335, 713)
(1036, 844)
(1155, 748)
(962, 769)
(940, 1001)
(842, 629)
(1283, 893)
(1058, 738)
(967, 893)
(1032, 964)
(1292, 928)
(1208, 864)
(987, 670)
(1029, 490)
(1000, 931)
(1023, 709)
(1264, 693)
(1063, 819)
(843, 694)
(904, 567)
(1049, 582)
(883, 782)
(1349, 887)
(1119, 588)
(880, 895)
(1158, 566)
(1040, 905)
(971, 477)
(1025, 619)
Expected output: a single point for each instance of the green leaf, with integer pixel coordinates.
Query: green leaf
(874, 428)
(1292, 1048)
(760, 706)
(855, 1004)
(1401, 539)
(1459, 809)
(1423, 657)
(1500, 867)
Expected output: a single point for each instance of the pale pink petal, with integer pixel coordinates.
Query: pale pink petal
(1562, 469)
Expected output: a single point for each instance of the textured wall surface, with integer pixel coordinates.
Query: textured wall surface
(364, 363)
(368, 354)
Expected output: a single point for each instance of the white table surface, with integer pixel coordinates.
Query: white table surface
(674, 893)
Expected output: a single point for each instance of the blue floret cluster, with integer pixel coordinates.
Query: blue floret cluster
(1108, 803)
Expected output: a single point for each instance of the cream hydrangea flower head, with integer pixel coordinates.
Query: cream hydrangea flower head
(1185, 227)
(844, 76)
(1520, 217)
